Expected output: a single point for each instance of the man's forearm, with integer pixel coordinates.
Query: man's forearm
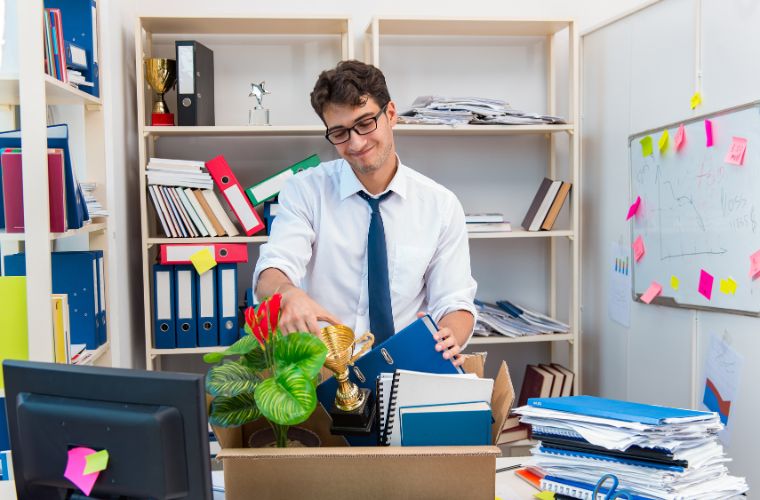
(460, 323)
(271, 281)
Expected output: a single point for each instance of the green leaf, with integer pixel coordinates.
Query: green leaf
(237, 410)
(230, 379)
(243, 346)
(287, 399)
(302, 350)
(255, 360)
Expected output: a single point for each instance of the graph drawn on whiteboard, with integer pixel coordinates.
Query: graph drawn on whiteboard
(699, 216)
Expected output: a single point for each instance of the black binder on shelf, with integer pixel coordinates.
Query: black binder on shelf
(195, 84)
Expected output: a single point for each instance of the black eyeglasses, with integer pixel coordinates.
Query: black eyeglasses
(362, 127)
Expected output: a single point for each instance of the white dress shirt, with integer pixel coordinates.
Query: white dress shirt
(319, 241)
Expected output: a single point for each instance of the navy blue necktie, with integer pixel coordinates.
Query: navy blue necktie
(380, 310)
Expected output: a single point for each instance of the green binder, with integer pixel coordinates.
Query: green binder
(14, 335)
(270, 187)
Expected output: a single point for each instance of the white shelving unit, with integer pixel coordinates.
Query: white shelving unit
(149, 32)
(33, 91)
(422, 29)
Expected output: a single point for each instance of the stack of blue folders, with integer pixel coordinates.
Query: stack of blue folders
(656, 452)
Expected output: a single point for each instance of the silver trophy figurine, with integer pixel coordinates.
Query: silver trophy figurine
(258, 115)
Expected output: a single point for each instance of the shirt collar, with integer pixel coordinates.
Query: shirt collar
(350, 184)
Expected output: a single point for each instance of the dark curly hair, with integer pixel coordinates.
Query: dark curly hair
(349, 83)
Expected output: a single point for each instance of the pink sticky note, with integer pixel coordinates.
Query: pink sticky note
(736, 151)
(638, 249)
(705, 284)
(754, 264)
(708, 134)
(680, 136)
(653, 291)
(634, 208)
(75, 470)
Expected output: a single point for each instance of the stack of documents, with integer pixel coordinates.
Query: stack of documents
(655, 452)
(506, 318)
(184, 173)
(438, 110)
(94, 208)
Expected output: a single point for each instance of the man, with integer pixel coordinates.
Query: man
(366, 241)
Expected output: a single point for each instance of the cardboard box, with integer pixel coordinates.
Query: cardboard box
(337, 471)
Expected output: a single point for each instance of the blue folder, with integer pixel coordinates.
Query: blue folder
(412, 348)
(229, 331)
(186, 308)
(208, 315)
(626, 411)
(164, 325)
(100, 314)
(58, 137)
(75, 274)
(609, 458)
(457, 426)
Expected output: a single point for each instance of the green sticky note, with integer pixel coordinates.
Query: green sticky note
(646, 146)
(203, 260)
(96, 462)
(663, 142)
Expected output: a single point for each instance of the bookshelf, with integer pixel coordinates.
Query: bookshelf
(154, 37)
(30, 88)
(391, 38)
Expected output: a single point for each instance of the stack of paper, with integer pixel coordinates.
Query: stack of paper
(510, 320)
(94, 207)
(655, 452)
(439, 110)
(184, 173)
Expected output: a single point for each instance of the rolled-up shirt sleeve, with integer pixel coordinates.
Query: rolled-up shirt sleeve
(450, 285)
(289, 246)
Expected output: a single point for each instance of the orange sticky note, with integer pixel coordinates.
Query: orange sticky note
(646, 146)
(696, 100)
(662, 143)
(736, 151)
(638, 249)
(680, 137)
(708, 134)
(653, 291)
(634, 208)
(754, 264)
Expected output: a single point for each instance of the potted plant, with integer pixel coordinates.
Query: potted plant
(273, 376)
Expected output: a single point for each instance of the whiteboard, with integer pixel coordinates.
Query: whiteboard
(698, 212)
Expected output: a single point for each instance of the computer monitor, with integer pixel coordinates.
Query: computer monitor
(153, 425)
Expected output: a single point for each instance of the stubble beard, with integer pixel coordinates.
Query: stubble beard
(373, 167)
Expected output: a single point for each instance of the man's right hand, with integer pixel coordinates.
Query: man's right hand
(300, 313)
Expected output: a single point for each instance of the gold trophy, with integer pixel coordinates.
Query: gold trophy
(353, 411)
(161, 75)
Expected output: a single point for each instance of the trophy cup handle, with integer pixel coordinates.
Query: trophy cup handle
(370, 339)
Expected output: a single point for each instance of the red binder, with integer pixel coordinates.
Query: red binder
(179, 253)
(230, 187)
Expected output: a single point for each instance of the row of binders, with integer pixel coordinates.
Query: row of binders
(546, 205)
(68, 205)
(192, 310)
(654, 452)
(79, 275)
(511, 320)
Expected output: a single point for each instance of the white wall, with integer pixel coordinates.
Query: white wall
(639, 73)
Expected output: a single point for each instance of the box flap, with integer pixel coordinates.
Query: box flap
(361, 451)
(501, 400)
(474, 363)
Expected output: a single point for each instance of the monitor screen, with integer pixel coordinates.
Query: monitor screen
(153, 424)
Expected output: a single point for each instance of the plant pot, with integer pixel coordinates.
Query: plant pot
(298, 437)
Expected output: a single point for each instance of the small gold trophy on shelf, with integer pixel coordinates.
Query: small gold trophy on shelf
(353, 411)
(259, 115)
(161, 75)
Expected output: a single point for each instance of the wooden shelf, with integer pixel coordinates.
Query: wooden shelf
(217, 239)
(481, 130)
(187, 350)
(419, 26)
(521, 233)
(204, 25)
(56, 92)
(93, 227)
(499, 339)
(96, 355)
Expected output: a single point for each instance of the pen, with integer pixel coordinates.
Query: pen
(511, 467)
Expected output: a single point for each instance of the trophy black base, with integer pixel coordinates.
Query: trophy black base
(357, 422)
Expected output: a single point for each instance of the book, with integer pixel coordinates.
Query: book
(489, 227)
(208, 216)
(557, 383)
(61, 339)
(543, 188)
(541, 203)
(556, 206)
(517, 433)
(484, 218)
(537, 383)
(220, 212)
(458, 424)
(567, 385)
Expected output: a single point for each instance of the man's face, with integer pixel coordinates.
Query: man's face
(370, 152)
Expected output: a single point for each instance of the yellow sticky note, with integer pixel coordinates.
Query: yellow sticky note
(544, 495)
(696, 100)
(663, 142)
(646, 146)
(96, 462)
(728, 286)
(203, 260)
(674, 282)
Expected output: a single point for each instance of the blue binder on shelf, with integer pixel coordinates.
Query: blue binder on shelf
(75, 274)
(207, 314)
(58, 137)
(80, 27)
(102, 323)
(412, 348)
(186, 307)
(164, 325)
(228, 303)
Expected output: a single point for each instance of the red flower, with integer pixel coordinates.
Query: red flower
(257, 323)
(273, 306)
